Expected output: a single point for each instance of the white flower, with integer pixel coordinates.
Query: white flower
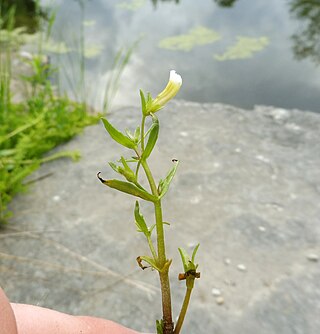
(171, 90)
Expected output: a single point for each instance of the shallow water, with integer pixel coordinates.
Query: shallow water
(263, 69)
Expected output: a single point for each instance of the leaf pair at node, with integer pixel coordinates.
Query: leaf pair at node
(136, 136)
(132, 140)
(145, 103)
(189, 265)
(152, 139)
(141, 223)
(128, 188)
(164, 184)
(126, 171)
(118, 136)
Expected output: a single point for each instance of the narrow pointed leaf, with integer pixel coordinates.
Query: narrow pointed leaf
(143, 103)
(140, 222)
(149, 98)
(164, 184)
(117, 136)
(194, 253)
(127, 172)
(153, 136)
(148, 104)
(129, 134)
(128, 188)
(185, 259)
(188, 264)
(137, 134)
(150, 261)
(151, 228)
(159, 326)
(114, 166)
(124, 163)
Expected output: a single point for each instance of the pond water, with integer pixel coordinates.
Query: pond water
(239, 52)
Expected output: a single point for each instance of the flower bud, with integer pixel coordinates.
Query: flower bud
(171, 90)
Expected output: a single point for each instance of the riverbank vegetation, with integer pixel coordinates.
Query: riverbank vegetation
(35, 114)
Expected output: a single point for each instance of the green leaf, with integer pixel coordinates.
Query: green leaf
(159, 326)
(148, 104)
(137, 134)
(129, 134)
(194, 252)
(164, 184)
(150, 261)
(140, 222)
(114, 166)
(151, 228)
(125, 171)
(117, 136)
(5, 153)
(153, 136)
(124, 163)
(128, 172)
(128, 188)
(188, 264)
(185, 259)
(143, 103)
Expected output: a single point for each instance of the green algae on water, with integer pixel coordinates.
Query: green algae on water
(93, 51)
(89, 23)
(132, 5)
(186, 42)
(244, 48)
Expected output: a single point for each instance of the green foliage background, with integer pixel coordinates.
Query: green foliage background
(30, 129)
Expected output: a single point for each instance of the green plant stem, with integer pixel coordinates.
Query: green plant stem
(74, 155)
(154, 254)
(161, 260)
(166, 302)
(183, 311)
(142, 132)
(21, 128)
(158, 216)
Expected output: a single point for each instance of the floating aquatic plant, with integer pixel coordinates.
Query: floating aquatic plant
(186, 42)
(89, 23)
(92, 51)
(244, 48)
(132, 5)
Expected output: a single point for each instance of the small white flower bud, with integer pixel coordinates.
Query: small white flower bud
(171, 90)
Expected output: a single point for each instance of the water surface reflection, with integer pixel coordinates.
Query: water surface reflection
(270, 75)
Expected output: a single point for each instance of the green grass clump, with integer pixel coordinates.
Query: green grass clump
(45, 118)
(30, 129)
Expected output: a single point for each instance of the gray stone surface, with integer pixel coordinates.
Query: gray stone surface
(247, 189)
